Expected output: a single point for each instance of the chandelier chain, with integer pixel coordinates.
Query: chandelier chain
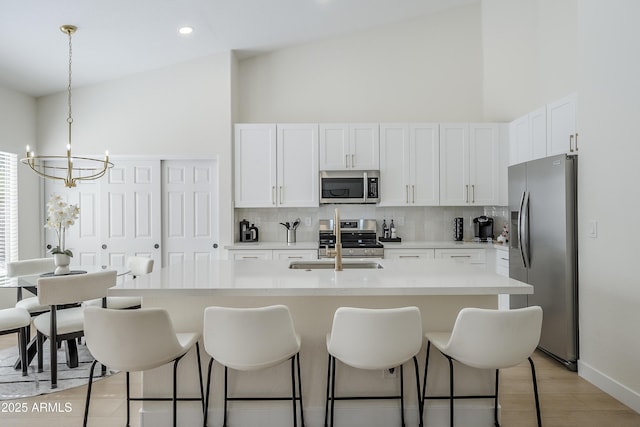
(70, 118)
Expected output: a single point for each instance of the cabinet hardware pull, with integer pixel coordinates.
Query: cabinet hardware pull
(406, 187)
(413, 191)
(294, 257)
(346, 160)
(576, 141)
(409, 256)
(467, 191)
(460, 256)
(249, 257)
(571, 143)
(353, 160)
(473, 193)
(281, 194)
(273, 195)
(505, 259)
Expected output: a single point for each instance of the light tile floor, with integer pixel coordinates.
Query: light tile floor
(566, 399)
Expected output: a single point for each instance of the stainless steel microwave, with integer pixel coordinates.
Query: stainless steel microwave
(349, 186)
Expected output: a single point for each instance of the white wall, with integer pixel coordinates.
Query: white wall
(609, 94)
(17, 129)
(529, 54)
(427, 69)
(184, 110)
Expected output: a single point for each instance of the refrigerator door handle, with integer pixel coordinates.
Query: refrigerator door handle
(520, 230)
(524, 236)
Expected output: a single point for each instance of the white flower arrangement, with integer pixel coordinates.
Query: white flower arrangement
(60, 216)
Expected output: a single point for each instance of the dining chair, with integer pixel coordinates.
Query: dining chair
(65, 321)
(373, 339)
(30, 267)
(488, 339)
(137, 340)
(136, 266)
(16, 320)
(250, 339)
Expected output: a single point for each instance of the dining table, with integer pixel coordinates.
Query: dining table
(30, 283)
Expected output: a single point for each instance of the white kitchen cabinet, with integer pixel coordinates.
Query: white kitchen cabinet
(250, 254)
(268, 254)
(276, 165)
(562, 135)
(409, 253)
(502, 261)
(476, 257)
(528, 137)
(409, 164)
(290, 254)
(469, 162)
(349, 146)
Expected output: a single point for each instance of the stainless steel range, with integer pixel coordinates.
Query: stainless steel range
(359, 238)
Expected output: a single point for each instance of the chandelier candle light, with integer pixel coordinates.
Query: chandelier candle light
(76, 168)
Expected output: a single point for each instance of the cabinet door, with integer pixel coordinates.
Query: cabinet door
(334, 146)
(395, 161)
(297, 160)
(454, 164)
(255, 165)
(484, 160)
(521, 149)
(408, 253)
(561, 126)
(289, 254)
(250, 254)
(424, 160)
(364, 146)
(538, 133)
(463, 256)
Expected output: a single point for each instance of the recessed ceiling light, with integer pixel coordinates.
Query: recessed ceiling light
(185, 30)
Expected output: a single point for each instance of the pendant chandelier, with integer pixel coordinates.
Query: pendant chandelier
(68, 168)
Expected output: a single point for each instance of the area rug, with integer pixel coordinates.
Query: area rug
(14, 386)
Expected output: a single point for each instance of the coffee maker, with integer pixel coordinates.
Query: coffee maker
(483, 228)
(248, 233)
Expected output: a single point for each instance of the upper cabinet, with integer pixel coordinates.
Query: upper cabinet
(562, 135)
(528, 137)
(469, 162)
(349, 146)
(276, 165)
(409, 165)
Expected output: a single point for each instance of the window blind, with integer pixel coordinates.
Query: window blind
(8, 209)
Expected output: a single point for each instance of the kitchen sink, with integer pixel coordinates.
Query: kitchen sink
(329, 265)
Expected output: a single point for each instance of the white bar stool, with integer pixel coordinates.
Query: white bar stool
(137, 266)
(17, 320)
(374, 339)
(248, 339)
(137, 340)
(488, 339)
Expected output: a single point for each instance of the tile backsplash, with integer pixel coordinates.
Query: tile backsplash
(429, 223)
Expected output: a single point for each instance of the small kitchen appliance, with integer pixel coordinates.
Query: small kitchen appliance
(248, 233)
(359, 238)
(458, 233)
(483, 228)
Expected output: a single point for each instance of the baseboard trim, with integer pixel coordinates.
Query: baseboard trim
(619, 391)
(468, 414)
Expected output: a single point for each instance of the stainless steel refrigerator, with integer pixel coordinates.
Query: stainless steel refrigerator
(543, 248)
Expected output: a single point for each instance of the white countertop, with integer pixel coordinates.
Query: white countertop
(274, 277)
(415, 244)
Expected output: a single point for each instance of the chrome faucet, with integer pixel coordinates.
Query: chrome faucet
(337, 252)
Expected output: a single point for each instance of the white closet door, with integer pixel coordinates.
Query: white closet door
(190, 210)
(82, 238)
(130, 207)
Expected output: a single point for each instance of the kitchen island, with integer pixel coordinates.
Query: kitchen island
(440, 288)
